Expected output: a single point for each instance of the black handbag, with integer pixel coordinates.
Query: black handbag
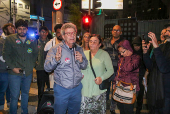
(105, 84)
(46, 103)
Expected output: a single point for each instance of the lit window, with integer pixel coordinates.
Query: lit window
(130, 2)
(159, 8)
(148, 10)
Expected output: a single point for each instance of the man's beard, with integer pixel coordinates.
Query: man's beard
(22, 35)
(59, 38)
(116, 37)
(167, 37)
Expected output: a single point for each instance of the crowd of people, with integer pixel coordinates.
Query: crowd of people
(76, 71)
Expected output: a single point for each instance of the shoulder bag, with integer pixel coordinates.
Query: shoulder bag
(105, 84)
(124, 94)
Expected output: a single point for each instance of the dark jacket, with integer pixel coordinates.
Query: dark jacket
(159, 78)
(129, 70)
(142, 67)
(112, 50)
(3, 66)
(20, 55)
(128, 67)
(41, 58)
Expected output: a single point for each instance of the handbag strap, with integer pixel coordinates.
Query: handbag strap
(91, 64)
(119, 67)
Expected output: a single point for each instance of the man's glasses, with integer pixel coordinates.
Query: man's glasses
(116, 30)
(43, 32)
(70, 33)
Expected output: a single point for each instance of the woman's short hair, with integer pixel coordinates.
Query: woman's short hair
(68, 25)
(97, 36)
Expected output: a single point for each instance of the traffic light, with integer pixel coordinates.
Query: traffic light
(96, 4)
(86, 22)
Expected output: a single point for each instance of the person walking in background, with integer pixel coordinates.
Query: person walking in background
(158, 95)
(94, 99)
(85, 41)
(110, 45)
(20, 53)
(8, 29)
(66, 59)
(56, 40)
(128, 72)
(42, 75)
(137, 46)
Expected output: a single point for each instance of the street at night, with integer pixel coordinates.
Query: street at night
(84, 56)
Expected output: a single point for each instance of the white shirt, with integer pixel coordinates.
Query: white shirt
(50, 44)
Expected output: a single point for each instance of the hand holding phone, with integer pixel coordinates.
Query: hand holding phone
(143, 38)
(21, 71)
(145, 47)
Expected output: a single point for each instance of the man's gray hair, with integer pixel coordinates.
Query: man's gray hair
(68, 25)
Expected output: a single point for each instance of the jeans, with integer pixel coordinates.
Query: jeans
(67, 99)
(4, 88)
(17, 83)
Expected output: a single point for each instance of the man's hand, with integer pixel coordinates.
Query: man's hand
(98, 80)
(16, 70)
(58, 54)
(79, 57)
(145, 46)
(154, 40)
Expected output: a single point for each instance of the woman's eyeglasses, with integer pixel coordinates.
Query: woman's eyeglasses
(122, 52)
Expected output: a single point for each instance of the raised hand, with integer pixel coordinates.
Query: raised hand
(58, 53)
(154, 40)
(145, 46)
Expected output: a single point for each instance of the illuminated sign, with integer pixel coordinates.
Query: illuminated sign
(85, 4)
(57, 4)
(41, 18)
(105, 4)
(33, 17)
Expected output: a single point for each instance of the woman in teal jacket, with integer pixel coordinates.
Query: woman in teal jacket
(94, 99)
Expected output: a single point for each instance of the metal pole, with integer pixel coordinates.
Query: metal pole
(89, 30)
(42, 10)
(89, 7)
(10, 10)
(38, 22)
(14, 15)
